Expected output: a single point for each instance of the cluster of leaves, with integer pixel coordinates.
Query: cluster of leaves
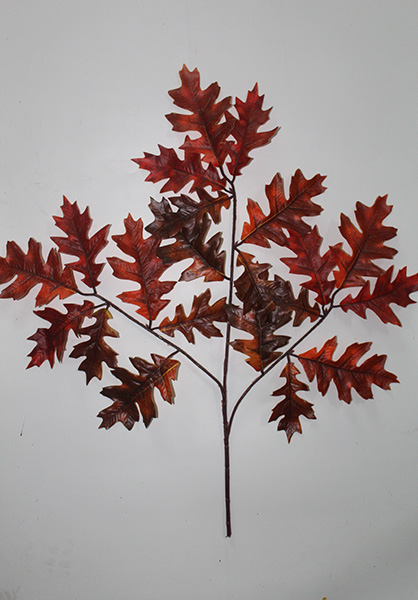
(220, 135)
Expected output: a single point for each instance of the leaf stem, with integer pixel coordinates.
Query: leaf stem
(155, 334)
(285, 355)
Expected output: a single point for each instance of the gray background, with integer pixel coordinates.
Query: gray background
(89, 514)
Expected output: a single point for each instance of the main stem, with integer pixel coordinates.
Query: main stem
(225, 421)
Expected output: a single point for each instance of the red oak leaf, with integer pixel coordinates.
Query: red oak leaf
(262, 348)
(205, 118)
(95, 350)
(136, 391)
(76, 226)
(51, 342)
(293, 406)
(167, 223)
(202, 317)
(146, 269)
(308, 261)
(29, 270)
(251, 116)
(284, 213)
(256, 291)
(385, 292)
(190, 242)
(345, 372)
(179, 172)
(367, 244)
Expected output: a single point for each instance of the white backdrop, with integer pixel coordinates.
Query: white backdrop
(89, 514)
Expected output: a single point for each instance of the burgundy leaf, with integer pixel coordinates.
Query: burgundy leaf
(179, 172)
(202, 317)
(251, 116)
(308, 261)
(206, 117)
(29, 270)
(51, 342)
(146, 270)
(76, 226)
(385, 292)
(284, 213)
(367, 244)
(345, 372)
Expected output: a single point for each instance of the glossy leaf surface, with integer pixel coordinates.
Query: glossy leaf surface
(26, 271)
(146, 269)
(245, 130)
(202, 317)
(135, 395)
(51, 342)
(79, 243)
(292, 407)
(206, 117)
(346, 372)
(95, 351)
(367, 244)
(284, 213)
(385, 293)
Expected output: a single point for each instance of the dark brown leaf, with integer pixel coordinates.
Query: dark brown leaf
(262, 348)
(293, 406)
(95, 350)
(190, 242)
(167, 223)
(137, 390)
(51, 342)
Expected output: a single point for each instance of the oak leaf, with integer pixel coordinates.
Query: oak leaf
(293, 406)
(135, 394)
(206, 118)
(256, 291)
(167, 223)
(385, 292)
(190, 242)
(76, 226)
(345, 372)
(262, 348)
(146, 269)
(367, 244)
(308, 261)
(202, 317)
(245, 132)
(95, 349)
(179, 172)
(51, 342)
(284, 213)
(29, 270)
